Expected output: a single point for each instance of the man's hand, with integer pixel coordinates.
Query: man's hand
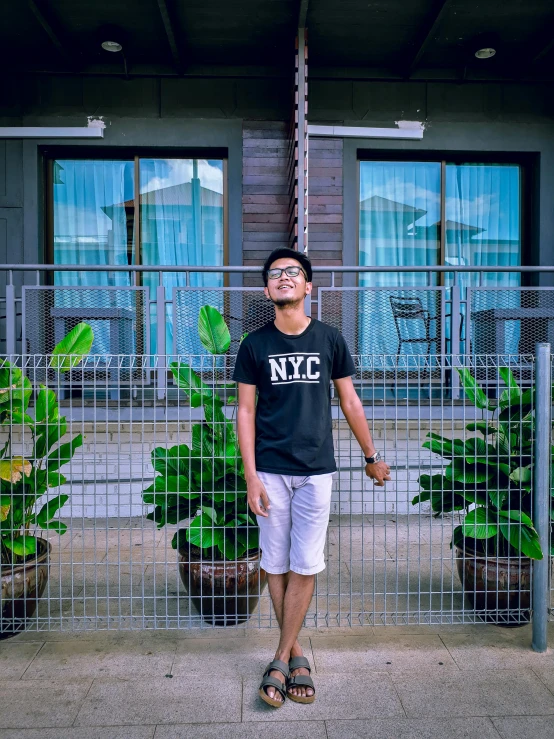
(257, 497)
(379, 472)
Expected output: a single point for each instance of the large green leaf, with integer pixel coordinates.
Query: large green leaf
(512, 393)
(49, 510)
(459, 471)
(64, 453)
(172, 461)
(498, 496)
(521, 534)
(213, 331)
(48, 434)
(188, 380)
(522, 410)
(479, 524)
(444, 447)
(73, 348)
(21, 545)
(172, 484)
(46, 408)
(477, 451)
(485, 427)
(522, 476)
(202, 440)
(202, 533)
(473, 391)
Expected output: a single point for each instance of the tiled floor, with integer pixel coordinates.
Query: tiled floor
(475, 682)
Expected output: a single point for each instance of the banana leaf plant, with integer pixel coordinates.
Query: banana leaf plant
(487, 477)
(24, 480)
(204, 482)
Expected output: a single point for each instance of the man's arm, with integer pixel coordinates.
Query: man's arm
(246, 423)
(354, 413)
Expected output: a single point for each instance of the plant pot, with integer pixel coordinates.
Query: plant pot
(223, 593)
(497, 586)
(22, 587)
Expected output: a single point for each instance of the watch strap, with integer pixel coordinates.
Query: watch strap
(375, 458)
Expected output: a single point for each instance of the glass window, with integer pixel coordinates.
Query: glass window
(400, 225)
(95, 221)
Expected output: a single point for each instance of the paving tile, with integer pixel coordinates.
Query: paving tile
(83, 732)
(476, 693)
(252, 730)
(525, 727)
(381, 652)
(38, 703)
(92, 658)
(230, 656)
(15, 657)
(466, 728)
(113, 702)
(546, 675)
(338, 696)
(494, 650)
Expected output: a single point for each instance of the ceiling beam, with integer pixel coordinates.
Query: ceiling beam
(169, 32)
(426, 34)
(303, 13)
(53, 33)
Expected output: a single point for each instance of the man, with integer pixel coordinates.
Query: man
(287, 449)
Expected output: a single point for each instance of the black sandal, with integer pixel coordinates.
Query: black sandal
(300, 681)
(268, 681)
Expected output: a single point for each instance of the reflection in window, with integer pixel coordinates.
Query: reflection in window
(95, 222)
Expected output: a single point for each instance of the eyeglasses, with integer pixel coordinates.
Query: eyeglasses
(275, 273)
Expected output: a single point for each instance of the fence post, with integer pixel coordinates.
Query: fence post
(161, 349)
(10, 317)
(455, 309)
(541, 495)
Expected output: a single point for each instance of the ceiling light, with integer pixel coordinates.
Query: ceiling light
(485, 53)
(112, 46)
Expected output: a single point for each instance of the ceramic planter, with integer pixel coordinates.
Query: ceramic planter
(223, 593)
(22, 587)
(500, 587)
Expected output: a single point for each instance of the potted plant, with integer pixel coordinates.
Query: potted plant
(487, 478)
(204, 484)
(28, 483)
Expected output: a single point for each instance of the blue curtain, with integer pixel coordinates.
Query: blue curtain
(181, 216)
(399, 226)
(93, 206)
(483, 224)
(400, 213)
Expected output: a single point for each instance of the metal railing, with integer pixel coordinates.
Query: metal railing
(388, 560)
(439, 310)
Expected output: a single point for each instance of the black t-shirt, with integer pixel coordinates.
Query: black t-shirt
(293, 413)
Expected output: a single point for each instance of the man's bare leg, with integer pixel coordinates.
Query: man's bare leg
(291, 594)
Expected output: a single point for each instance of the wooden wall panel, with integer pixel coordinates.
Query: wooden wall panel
(265, 191)
(325, 206)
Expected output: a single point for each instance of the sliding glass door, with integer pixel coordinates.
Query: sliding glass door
(429, 213)
(152, 211)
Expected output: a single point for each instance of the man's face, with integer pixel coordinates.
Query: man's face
(287, 289)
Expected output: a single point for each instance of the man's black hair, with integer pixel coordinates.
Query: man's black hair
(284, 252)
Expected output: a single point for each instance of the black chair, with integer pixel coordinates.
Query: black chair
(411, 309)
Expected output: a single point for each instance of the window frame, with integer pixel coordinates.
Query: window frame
(134, 155)
(525, 161)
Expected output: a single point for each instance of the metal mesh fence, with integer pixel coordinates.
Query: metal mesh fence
(117, 315)
(244, 310)
(157, 460)
(509, 320)
(391, 322)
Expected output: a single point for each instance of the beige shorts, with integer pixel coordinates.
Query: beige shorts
(292, 536)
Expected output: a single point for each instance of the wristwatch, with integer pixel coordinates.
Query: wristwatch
(372, 460)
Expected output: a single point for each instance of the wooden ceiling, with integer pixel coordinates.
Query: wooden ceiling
(399, 39)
